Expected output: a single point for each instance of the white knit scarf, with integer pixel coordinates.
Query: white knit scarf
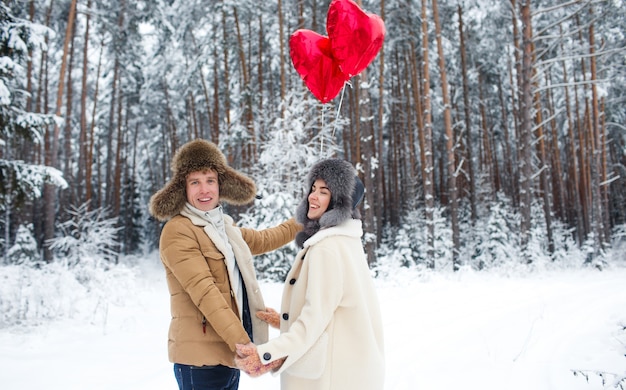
(212, 222)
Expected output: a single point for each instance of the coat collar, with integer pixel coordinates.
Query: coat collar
(350, 228)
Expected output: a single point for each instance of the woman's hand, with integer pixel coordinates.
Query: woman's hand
(270, 316)
(247, 360)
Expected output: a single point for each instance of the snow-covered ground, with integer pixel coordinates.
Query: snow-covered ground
(464, 331)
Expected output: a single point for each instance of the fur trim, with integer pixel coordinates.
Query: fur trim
(346, 191)
(194, 156)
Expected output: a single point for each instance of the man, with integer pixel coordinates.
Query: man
(208, 264)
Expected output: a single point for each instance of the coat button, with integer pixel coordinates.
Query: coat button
(285, 316)
(292, 281)
(267, 356)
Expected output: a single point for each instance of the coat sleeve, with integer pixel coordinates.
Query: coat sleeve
(181, 254)
(324, 292)
(262, 241)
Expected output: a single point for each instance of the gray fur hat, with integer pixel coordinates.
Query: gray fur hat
(346, 192)
(194, 156)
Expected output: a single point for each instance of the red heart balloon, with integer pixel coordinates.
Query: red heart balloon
(312, 58)
(356, 37)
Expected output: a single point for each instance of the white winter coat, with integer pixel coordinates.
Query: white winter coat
(331, 327)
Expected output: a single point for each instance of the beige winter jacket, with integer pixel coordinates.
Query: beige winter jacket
(331, 326)
(205, 324)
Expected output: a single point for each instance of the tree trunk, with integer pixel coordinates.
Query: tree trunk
(468, 122)
(596, 163)
(369, 170)
(68, 197)
(226, 79)
(525, 142)
(51, 156)
(603, 176)
(260, 65)
(249, 149)
(515, 95)
(215, 119)
(572, 162)
(91, 136)
(419, 115)
(582, 131)
(488, 161)
(29, 63)
(119, 145)
(281, 35)
(109, 162)
(508, 157)
(555, 153)
(429, 196)
(543, 173)
(450, 145)
(381, 195)
(82, 138)
(205, 93)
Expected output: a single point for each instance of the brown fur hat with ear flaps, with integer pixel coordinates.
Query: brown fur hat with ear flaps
(196, 156)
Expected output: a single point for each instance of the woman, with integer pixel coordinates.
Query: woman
(331, 329)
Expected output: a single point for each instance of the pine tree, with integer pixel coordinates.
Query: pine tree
(24, 250)
(20, 179)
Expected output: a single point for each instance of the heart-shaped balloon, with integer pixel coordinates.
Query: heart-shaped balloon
(312, 58)
(356, 36)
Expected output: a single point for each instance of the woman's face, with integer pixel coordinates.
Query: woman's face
(319, 199)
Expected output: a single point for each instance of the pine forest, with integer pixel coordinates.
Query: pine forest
(486, 132)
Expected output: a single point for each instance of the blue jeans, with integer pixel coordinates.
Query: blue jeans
(206, 377)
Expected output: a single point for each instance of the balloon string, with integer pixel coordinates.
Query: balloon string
(343, 91)
(336, 124)
(322, 132)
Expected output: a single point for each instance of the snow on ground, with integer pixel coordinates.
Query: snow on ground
(444, 331)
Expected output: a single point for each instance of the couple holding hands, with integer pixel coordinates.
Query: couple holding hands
(330, 324)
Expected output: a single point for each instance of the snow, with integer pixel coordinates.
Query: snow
(462, 330)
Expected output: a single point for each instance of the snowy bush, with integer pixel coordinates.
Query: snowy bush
(65, 288)
(395, 249)
(30, 296)
(495, 243)
(407, 246)
(81, 282)
(33, 296)
(609, 380)
(87, 236)
(414, 246)
(396, 260)
(24, 250)
(619, 244)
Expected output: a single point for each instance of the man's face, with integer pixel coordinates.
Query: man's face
(203, 190)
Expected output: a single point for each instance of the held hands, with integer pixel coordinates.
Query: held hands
(248, 361)
(270, 316)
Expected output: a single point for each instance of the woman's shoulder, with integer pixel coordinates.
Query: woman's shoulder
(344, 232)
